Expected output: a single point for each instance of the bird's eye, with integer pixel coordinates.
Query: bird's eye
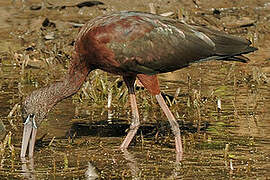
(31, 115)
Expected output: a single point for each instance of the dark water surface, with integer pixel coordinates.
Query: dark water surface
(80, 141)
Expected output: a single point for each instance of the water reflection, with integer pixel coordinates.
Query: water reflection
(91, 173)
(132, 164)
(28, 170)
(136, 172)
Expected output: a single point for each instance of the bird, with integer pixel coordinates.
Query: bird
(134, 45)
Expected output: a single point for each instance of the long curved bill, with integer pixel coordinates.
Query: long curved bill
(29, 136)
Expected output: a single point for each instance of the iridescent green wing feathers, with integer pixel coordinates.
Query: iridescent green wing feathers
(151, 44)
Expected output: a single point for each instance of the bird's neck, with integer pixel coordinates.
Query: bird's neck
(69, 85)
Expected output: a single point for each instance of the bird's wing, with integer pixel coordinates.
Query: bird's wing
(149, 44)
(153, 46)
(226, 44)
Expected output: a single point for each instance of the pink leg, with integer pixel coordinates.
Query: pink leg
(174, 126)
(134, 124)
(130, 80)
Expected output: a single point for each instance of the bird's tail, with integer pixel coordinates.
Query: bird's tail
(228, 47)
(239, 56)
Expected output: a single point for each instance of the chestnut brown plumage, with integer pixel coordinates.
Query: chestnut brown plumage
(133, 45)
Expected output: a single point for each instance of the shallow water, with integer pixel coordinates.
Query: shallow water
(66, 150)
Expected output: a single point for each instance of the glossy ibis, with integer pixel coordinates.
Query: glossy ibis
(133, 45)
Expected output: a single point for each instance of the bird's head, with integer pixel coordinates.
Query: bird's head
(34, 110)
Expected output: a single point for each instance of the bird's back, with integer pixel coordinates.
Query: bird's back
(144, 43)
